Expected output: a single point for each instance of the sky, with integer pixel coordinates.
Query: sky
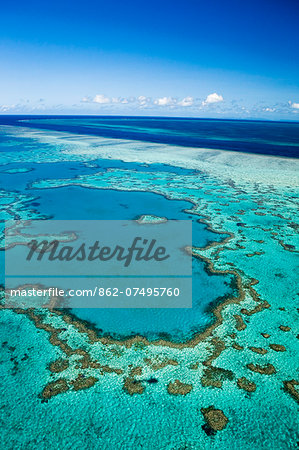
(191, 58)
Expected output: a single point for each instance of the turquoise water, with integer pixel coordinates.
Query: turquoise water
(73, 203)
(179, 325)
(73, 176)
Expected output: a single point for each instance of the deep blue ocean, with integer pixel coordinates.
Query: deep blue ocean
(262, 137)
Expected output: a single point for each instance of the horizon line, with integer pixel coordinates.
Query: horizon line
(152, 117)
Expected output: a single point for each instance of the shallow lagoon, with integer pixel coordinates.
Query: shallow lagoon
(177, 325)
(73, 203)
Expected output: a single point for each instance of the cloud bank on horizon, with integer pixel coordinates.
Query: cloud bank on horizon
(194, 59)
(213, 105)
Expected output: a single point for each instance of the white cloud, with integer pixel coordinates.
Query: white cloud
(270, 109)
(5, 108)
(165, 101)
(212, 98)
(121, 100)
(102, 99)
(187, 101)
(143, 101)
(86, 99)
(294, 105)
(27, 107)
